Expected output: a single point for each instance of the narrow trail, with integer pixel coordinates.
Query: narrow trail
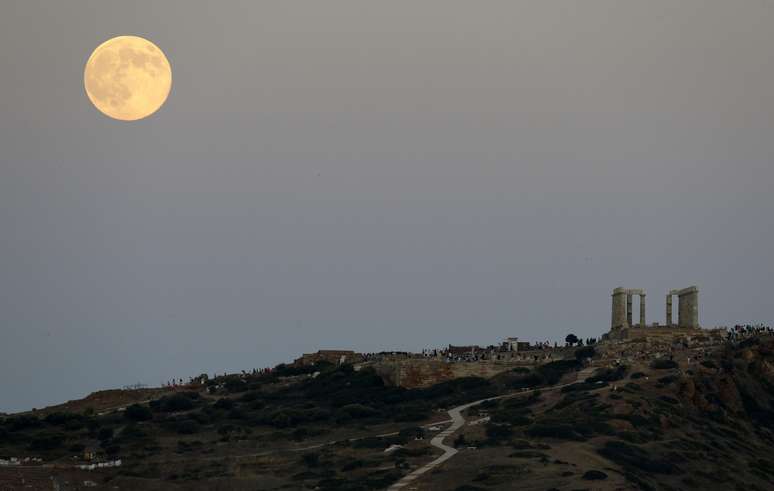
(458, 422)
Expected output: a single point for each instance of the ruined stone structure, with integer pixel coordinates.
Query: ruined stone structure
(687, 307)
(622, 307)
(687, 313)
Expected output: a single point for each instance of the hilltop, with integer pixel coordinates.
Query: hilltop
(628, 414)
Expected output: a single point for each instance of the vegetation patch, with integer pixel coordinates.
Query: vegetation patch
(594, 475)
(608, 374)
(635, 457)
(560, 431)
(663, 364)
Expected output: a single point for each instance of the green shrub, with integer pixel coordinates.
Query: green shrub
(669, 400)
(667, 380)
(582, 386)
(46, 441)
(637, 375)
(352, 465)
(411, 433)
(131, 432)
(608, 374)
(105, 434)
(174, 403)
(594, 475)
(234, 385)
(250, 396)
(553, 372)
(187, 427)
(76, 448)
(18, 423)
(634, 457)
(224, 403)
(559, 431)
(137, 412)
(633, 437)
(585, 352)
(527, 381)
(62, 419)
(663, 364)
(112, 450)
(355, 411)
(497, 432)
(411, 413)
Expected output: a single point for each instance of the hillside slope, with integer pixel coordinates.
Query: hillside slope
(565, 425)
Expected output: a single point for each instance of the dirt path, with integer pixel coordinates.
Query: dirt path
(458, 422)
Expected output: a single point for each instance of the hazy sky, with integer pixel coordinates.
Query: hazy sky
(373, 175)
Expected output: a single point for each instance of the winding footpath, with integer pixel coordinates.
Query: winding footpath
(458, 422)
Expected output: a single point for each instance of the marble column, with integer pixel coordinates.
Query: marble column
(618, 320)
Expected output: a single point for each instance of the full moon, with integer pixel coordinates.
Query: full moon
(127, 78)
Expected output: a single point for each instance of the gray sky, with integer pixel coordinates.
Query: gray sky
(373, 175)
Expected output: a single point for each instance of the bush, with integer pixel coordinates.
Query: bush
(709, 364)
(61, 419)
(131, 432)
(187, 427)
(175, 402)
(585, 352)
(582, 386)
(105, 434)
(355, 411)
(311, 459)
(594, 476)
(527, 381)
(553, 372)
(235, 384)
(45, 442)
(608, 374)
(636, 375)
(632, 456)
(411, 433)
(250, 396)
(497, 432)
(560, 431)
(224, 403)
(76, 448)
(663, 364)
(669, 379)
(137, 412)
(290, 417)
(412, 413)
(22, 423)
(112, 450)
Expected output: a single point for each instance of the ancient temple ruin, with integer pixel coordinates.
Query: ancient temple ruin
(687, 308)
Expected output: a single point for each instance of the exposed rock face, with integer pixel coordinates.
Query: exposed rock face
(416, 373)
(742, 386)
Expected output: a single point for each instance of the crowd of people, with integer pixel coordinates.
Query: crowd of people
(739, 331)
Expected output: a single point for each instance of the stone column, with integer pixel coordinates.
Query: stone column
(629, 309)
(688, 308)
(669, 310)
(619, 309)
(642, 310)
